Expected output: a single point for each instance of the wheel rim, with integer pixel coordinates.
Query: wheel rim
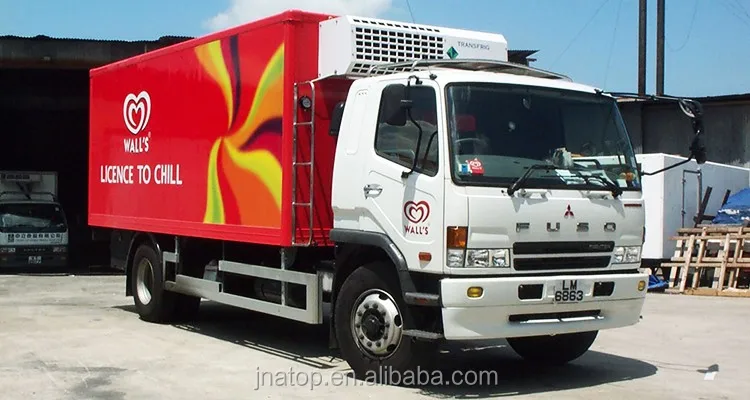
(144, 281)
(376, 323)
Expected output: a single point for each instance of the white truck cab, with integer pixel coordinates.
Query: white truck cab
(509, 199)
(33, 225)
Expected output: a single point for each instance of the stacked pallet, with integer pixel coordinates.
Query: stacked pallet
(712, 258)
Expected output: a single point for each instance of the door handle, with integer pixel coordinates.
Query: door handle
(372, 190)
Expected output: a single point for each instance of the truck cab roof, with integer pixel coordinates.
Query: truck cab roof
(483, 71)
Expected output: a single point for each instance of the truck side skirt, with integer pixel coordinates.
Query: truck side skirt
(212, 290)
(201, 268)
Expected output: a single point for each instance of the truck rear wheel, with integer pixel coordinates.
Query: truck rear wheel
(152, 301)
(553, 350)
(370, 318)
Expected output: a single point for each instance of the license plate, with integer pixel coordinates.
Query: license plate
(568, 292)
(35, 259)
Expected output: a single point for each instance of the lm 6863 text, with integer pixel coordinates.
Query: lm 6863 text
(568, 292)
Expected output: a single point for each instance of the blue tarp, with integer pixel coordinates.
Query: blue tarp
(656, 284)
(736, 211)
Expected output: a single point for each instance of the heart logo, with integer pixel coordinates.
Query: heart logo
(475, 166)
(136, 110)
(416, 212)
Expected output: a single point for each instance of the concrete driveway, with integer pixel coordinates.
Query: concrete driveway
(78, 337)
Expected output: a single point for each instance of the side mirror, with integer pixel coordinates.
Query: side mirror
(694, 110)
(336, 117)
(394, 105)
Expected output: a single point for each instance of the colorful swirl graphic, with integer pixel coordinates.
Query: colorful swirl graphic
(244, 168)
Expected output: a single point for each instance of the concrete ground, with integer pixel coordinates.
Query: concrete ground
(77, 337)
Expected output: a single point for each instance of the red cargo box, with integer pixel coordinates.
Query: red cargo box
(198, 139)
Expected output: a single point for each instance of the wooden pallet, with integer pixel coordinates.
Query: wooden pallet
(702, 252)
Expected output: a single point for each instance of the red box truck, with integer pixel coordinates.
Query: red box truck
(409, 175)
(197, 139)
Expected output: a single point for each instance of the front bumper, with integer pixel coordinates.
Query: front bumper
(40, 259)
(526, 306)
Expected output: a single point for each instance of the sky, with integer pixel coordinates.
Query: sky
(592, 41)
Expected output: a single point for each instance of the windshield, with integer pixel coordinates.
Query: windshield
(31, 217)
(499, 131)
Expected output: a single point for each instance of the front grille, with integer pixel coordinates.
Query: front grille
(560, 263)
(527, 248)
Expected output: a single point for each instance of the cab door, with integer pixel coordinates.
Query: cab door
(407, 207)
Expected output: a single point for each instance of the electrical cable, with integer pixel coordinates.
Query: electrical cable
(690, 30)
(612, 44)
(408, 5)
(581, 31)
(742, 8)
(734, 12)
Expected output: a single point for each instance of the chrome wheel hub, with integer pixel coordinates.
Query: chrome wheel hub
(377, 325)
(144, 281)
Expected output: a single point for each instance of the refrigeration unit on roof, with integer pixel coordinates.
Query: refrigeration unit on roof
(350, 46)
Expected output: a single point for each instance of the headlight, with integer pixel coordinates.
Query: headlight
(626, 255)
(480, 258)
(455, 258)
(500, 258)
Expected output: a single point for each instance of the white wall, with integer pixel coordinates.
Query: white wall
(664, 193)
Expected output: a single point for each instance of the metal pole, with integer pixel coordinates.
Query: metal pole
(659, 47)
(699, 172)
(642, 47)
(699, 181)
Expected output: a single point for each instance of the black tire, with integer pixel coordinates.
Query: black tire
(553, 350)
(409, 354)
(158, 305)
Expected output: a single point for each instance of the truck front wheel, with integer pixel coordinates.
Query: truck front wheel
(370, 319)
(553, 350)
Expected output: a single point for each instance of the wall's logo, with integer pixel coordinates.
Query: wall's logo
(417, 214)
(136, 110)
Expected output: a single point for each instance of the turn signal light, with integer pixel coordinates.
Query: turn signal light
(475, 292)
(641, 285)
(456, 237)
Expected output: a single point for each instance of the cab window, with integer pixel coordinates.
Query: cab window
(398, 143)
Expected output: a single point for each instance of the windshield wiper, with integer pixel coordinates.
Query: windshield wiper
(616, 190)
(517, 184)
